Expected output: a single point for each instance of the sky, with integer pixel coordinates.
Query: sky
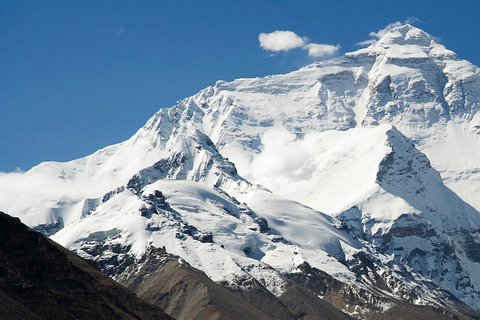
(79, 75)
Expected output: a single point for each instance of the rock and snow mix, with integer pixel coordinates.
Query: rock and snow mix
(371, 154)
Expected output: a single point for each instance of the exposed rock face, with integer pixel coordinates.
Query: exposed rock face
(41, 280)
(365, 304)
(186, 293)
(436, 234)
(183, 163)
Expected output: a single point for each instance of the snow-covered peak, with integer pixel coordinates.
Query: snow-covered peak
(405, 41)
(374, 138)
(406, 35)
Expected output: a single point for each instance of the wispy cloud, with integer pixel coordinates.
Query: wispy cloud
(382, 32)
(366, 42)
(278, 40)
(118, 31)
(41, 190)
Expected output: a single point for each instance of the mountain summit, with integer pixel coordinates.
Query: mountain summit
(406, 35)
(354, 179)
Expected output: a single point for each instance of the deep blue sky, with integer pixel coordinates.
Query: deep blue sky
(77, 75)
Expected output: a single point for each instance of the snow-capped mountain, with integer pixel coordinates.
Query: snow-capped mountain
(361, 172)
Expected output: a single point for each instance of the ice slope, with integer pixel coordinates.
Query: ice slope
(232, 243)
(416, 219)
(406, 79)
(207, 228)
(52, 193)
(235, 243)
(194, 158)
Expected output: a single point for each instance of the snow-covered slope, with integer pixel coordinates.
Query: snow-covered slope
(415, 218)
(405, 79)
(242, 247)
(384, 141)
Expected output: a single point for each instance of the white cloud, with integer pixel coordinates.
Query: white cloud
(118, 31)
(280, 41)
(384, 31)
(277, 41)
(39, 190)
(367, 42)
(321, 50)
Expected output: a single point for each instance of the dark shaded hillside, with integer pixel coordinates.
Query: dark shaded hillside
(39, 279)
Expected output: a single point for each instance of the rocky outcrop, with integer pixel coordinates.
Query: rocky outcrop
(372, 304)
(434, 231)
(187, 293)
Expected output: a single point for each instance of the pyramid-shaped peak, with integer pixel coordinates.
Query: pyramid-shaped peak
(406, 35)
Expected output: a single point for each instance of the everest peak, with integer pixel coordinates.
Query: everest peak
(406, 35)
(370, 158)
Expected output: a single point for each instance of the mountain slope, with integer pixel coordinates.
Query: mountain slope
(235, 245)
(424, 224)
(177, 297)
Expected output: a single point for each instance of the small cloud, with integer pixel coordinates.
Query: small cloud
(412, 19)
(118, 31)
(280, 41)
(277, 41)
(366, 42)
(384, 31)
(321, 50)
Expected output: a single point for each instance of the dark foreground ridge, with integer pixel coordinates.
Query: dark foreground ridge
(39, 279)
